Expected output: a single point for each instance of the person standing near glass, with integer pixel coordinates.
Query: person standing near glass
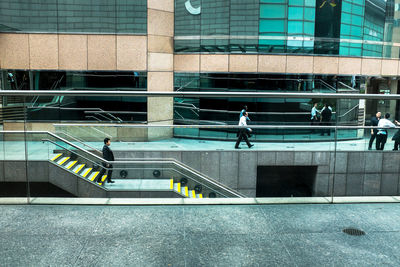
(374, 122)
(314, 115)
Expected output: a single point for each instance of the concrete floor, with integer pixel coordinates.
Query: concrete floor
(15, 150)
(252, 235)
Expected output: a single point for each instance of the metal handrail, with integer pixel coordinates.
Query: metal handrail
(83, 92)
(350, 110)
(327, 85)
(348, 87)
(79, 141)
(174, 162)
(250, 113)
(340, 127)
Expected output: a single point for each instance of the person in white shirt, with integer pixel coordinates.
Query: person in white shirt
(314, 116)
(242, 134)
(382, 134)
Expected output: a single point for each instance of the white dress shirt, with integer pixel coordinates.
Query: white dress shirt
(385, 123)
(243, 121)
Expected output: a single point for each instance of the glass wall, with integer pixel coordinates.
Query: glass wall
(69, 16)
(263, 111)
(68, 108)
(324, 27)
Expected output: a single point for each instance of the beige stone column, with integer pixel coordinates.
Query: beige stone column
(160, 66)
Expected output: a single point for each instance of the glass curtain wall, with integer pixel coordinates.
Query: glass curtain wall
(324, 27)
(69, 16)
(66, 108)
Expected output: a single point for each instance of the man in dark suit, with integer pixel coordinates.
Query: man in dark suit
(109, 156)
(326, 115)
(374, 122)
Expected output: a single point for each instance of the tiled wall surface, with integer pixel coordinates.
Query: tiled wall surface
(369, 173)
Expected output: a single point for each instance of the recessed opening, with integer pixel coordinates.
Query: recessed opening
(285, 181)
(37, 189)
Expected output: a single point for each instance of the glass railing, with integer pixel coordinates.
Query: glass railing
(325, 161)
(82, 173)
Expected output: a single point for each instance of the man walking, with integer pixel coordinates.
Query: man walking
(374, 122)
(243, 132)
(109, 156)
(382, 134)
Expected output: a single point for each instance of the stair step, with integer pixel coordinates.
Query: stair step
(103, 179)
(185, 191)
(79, 168)
(56, 157)
(71, 164)
(192, 194)
(86, 172)
(199, 195)
(62, 161)
(140, 185)
(93, 176)
(177, 187)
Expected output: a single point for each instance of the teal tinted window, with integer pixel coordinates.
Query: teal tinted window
(355, 30)
(272, 11)
(358, 10)
(310, 3)
(309, 14)
(357, 20)
(359, 2)
(295, 13)
(346, 6)
(273, 1)
(296, 2)
(309, 28)
(346, 18)
(272, 26)
(345, 30)
(295, 26)
(354, 51)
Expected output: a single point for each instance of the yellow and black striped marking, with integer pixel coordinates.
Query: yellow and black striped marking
(56, 157)
(71, 164)
(86, 172)
(94, 176)
(79, 168)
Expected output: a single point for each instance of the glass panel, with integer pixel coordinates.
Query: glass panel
(74, 16)
(272, 25)
(272, 11)
(295, 13)
(295, 26)
(309, 14)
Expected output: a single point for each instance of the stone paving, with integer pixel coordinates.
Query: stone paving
(222, 235)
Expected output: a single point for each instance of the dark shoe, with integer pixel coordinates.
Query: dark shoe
(237, 147)
(251, 145)
(111, 182)
(369, 148)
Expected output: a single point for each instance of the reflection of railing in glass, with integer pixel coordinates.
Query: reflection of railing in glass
(195, 183)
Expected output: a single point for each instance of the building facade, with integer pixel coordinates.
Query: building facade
(201, 45)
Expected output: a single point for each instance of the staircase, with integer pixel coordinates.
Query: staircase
(153, 187)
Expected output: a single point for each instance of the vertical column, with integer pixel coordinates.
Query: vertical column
(160, 64)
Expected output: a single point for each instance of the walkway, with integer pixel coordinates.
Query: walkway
(40, 151)
(258, 235)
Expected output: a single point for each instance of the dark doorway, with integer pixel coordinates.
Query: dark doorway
(285, 181)
(18, 189)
